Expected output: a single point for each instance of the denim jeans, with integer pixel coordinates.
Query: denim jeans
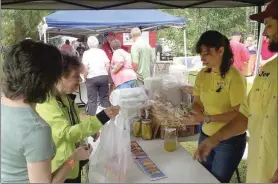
(128, 84)
(224, 159)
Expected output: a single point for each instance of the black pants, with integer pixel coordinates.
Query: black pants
(97, 89)
(78, 179)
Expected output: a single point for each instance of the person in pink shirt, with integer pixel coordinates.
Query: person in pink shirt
(67, 48)
(241, 53)
(122, 72)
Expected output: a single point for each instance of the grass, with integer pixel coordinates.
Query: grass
(191, 146)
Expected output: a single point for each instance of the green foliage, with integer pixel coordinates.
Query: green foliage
(20, 24)
(224, 20)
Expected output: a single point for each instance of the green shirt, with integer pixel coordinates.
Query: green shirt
(25, 138)
(66, 135)
(141, 54)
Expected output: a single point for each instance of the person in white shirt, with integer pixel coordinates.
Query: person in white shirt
(96, 66)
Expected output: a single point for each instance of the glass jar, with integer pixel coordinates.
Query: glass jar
(147, 132)
(170, 139)
(136, 127)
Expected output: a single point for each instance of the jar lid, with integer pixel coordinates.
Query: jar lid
(136, 119)
(146, 121)
(171, 129)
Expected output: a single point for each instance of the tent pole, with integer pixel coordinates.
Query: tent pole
(259, 25)
(184, 44)
(260, 43)
(258, 59)
(44, 37)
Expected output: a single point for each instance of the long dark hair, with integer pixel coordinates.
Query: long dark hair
(214, 39)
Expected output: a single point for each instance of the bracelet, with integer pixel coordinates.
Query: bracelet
(70, 161)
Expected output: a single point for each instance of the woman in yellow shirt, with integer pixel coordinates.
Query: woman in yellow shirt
(218, 92)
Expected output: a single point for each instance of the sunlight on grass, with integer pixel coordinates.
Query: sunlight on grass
(191, 146)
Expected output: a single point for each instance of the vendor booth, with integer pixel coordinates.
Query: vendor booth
(152, 140)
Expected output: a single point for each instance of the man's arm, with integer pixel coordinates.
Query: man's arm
(135, 56)
(85, 65)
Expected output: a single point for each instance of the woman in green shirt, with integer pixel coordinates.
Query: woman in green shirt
(62, 114)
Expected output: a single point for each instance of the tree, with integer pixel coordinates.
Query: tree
(224, 20)
(20, 24)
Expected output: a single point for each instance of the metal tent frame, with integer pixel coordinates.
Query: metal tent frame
(126, 4)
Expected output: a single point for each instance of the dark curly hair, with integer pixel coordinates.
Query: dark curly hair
(214, 39)
(31, 70)
(70, 63)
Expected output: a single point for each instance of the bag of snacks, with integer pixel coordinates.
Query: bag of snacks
(113, 160)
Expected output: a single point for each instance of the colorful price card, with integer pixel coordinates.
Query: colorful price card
(137, 151)
(150, 168)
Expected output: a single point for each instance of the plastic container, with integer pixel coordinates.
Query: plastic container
(136, 127)
(180, 72)
(147, 129)
(170, 139)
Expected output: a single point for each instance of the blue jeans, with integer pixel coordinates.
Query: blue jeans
(128, 84)
(224, 159)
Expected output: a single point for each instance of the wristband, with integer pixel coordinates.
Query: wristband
(71, 163)
(207, 119)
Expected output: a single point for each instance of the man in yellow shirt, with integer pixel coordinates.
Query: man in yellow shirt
(258, 113)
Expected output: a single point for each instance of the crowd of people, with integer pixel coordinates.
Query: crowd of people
(43, 135)
(245, 52)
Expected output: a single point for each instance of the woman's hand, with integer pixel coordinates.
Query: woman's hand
(274, 178)
(206, 147)
(82, 153)
(112, 112)
(195, 116)
(96, 136)
(188, 89)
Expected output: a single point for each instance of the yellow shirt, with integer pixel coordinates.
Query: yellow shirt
(219, 95)
(261, 109)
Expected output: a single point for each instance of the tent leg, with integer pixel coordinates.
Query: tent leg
(260, 43)
(44, 37)
(185, 46)
(259, 25)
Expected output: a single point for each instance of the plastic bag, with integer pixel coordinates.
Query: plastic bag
(112, 161)
(153, 85)
(112, 158)
(172, 90)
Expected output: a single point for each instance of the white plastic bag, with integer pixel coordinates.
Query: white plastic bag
(172, 90)
(113, 160)
(153, 86)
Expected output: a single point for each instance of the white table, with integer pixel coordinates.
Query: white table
(178, 165)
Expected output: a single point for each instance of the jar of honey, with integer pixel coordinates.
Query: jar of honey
(170, 139)
(147, 129)
(136, 127)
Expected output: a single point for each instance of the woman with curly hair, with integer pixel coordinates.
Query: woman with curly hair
(218, 92)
